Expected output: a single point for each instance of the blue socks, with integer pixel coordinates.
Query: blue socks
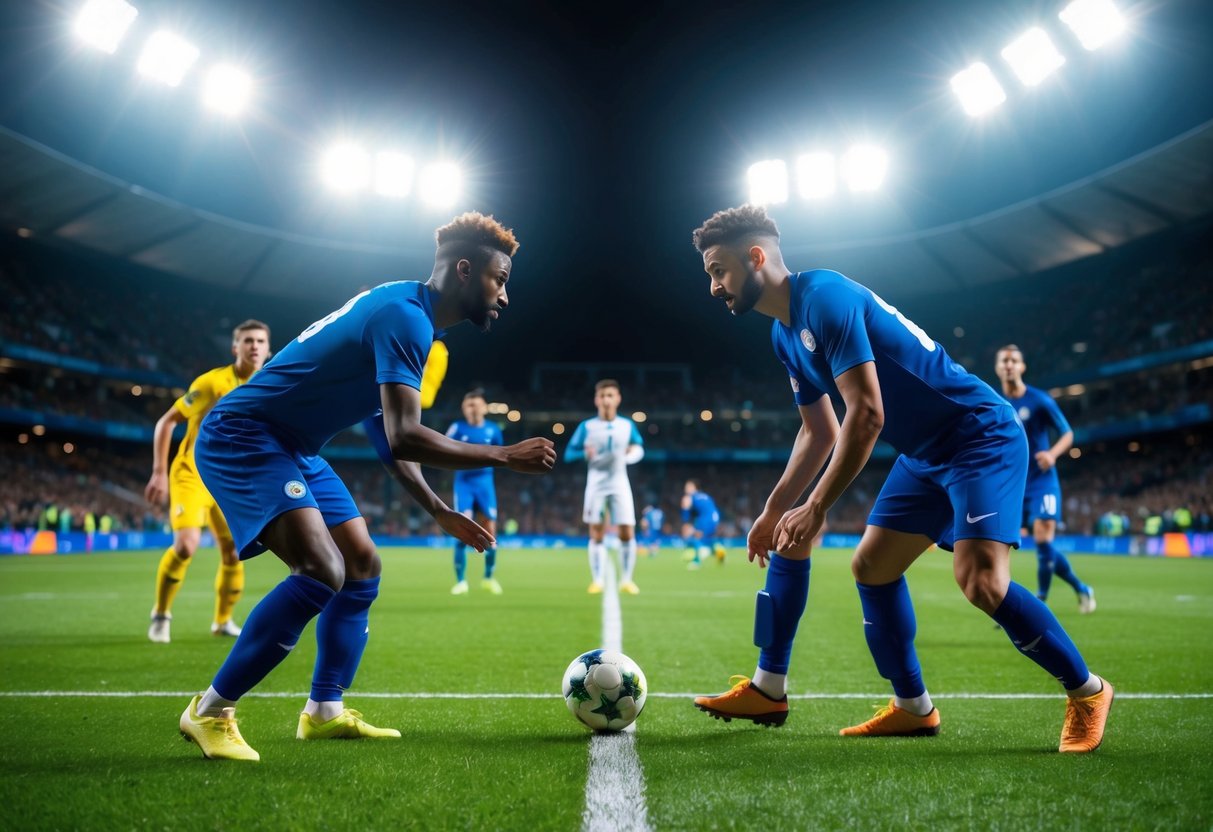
(490, 562)
(1036, 633)
(341, 635)
(1050, 562)
(270, 632)
(787, 592)
(461, 561)
(890, 627)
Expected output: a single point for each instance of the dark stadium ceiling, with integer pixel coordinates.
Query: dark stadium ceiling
(54, 197)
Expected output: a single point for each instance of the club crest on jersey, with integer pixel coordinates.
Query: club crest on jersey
(795, 384)
(1024, 413)
(294, 489)
(806, 338)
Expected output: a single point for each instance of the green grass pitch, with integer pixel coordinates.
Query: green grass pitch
(94, 762)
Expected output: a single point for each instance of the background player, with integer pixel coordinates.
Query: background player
(258, 453)
(609, 443)
(1042, 496)
(958, 482)
(190, 505)
(652, 518)
(699, 520)
(474, 490)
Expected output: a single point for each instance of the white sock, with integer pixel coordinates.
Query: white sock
(323, 711)
(774, 685)
(597, 555)
(917, 705)
(212, 704)
(627, 555)
(1092, 686)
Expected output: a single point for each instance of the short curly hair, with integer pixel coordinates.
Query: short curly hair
(734, 225)
(478, 230)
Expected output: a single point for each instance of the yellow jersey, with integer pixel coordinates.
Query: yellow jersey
(206, 390)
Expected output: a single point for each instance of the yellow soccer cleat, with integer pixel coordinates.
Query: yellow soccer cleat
(217, 736)
(719, 551)
(629, 588)
(347, 725)
(744, 701)
(1085, 720)
(491, 585)
(595, 588)
(892, 721)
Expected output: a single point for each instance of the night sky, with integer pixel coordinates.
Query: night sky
(603, 133)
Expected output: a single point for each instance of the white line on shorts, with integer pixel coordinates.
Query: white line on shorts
(614, 788)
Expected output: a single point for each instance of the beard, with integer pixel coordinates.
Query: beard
(751, 290)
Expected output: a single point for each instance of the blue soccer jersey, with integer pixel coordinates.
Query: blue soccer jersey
(1040, 415)
(655, 518)
(485, 434)
(702, 512)
(328, 378)
(837, 324)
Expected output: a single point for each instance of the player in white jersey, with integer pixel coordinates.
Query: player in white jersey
(609, 443)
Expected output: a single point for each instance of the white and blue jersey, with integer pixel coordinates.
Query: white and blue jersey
(961, 470)
(258, 452)
(702, 514)
(474, 490)
(607, 489)
(1040, 415)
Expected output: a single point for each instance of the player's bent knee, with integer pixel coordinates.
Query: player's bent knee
(984, 590)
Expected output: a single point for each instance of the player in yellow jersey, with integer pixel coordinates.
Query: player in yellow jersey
(191, 506)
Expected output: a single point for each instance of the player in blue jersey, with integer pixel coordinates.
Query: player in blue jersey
(474, 491)
(652, 518)
(958, 482)
(1042, 496)
(258, 454)
(700, 517)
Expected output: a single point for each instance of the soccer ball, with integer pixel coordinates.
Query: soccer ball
(605, 690)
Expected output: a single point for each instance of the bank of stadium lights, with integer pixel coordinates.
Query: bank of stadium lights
(440, 184)
(863, 168)
(346, 168)
(815, 175)
(167, 57)
(103, 23)
(227, 89)
(393, 174)
(1094, 22)
(768, 182)
(978, 89)
(1033, 57)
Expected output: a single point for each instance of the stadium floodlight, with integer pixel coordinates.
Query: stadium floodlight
(1033, 56)
(978, 89)
(440, 184)
(346, 168)
(167, 57)
(1094, 22)
(768, 182)
(393, 174)
(864, 167)
(102, 23)
(227, 89)
(815, 176)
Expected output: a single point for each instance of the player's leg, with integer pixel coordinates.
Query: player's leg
(592, 514)
(463, 505)
(623, 512)
(188, 514)
(1044, 531)
(229, 579)
(342, 632)
(486, 512)
(1044, 548)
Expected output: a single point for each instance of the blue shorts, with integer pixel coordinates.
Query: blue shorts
(254, 476)
(1042, 500)
(476, 494)
(706, 526)
(977, 492)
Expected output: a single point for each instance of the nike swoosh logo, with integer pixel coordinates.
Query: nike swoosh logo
(287, 647)
(970, 518)
(1031, 645)
(867, 623)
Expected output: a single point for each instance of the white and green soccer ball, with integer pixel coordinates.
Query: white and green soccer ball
(605, 690)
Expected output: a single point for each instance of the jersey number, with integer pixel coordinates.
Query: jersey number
(914, 329)
(1048, 504)
(330, 317)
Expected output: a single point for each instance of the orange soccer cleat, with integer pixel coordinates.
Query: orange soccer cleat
(744, 701)
(892, 721)
(1085, 720)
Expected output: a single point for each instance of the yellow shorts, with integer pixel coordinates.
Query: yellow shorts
(191, 506)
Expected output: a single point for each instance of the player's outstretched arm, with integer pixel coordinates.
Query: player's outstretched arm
(411, 441)
(861, 426)
(814, 441)
(156, 491)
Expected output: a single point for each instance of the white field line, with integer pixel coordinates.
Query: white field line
(614, 787)
(177, 694)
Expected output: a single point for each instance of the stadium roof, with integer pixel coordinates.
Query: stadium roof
(61, 199)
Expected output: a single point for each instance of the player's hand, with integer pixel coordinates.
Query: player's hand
(796, 530)
(465, 530)
(1044, 460)
(531, 456)
(590, 453)
(156, 491)
(761, 539)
